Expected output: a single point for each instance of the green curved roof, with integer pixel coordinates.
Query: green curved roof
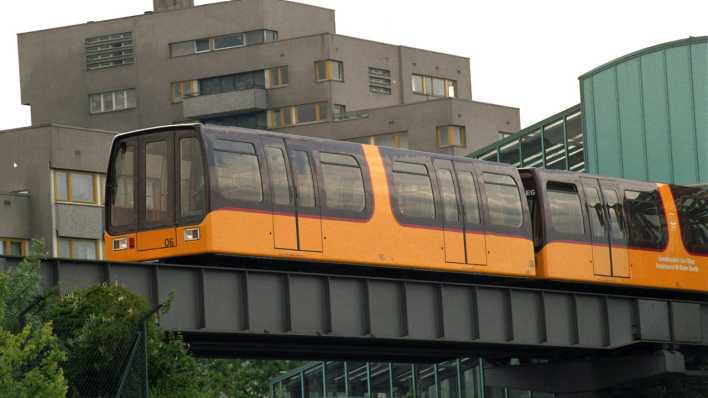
(648, 50)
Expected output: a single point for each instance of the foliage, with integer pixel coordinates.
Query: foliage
(243, 378)
(31, 357)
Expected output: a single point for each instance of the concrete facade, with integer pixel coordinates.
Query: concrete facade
(29, 208)
(305, 35)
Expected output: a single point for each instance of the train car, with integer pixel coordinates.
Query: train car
(190, 190)
(619, 232)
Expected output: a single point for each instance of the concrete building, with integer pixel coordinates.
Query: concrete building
(52, 189)
(256, 63)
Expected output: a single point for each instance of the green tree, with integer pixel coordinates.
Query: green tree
(31, 357)
(241, 378)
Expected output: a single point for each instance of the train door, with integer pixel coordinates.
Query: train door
(156, 192)
(607, 230)
(453, 230)
(285, 225)
(307, 206)
(475, 238)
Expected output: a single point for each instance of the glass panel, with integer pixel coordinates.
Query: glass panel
(336, 379)
(531, 149)
(358, 380)
(64, 248)
(228, 41)
(130, 98)
(183, 48)
(271, 35)
(380, 380)
(107, 102)
(95, 103)
(202, 45)
(119, 100)
(458, 135)
(428, 85)
(2, 248)
(414, 195)
(447, 380)
(495, 392)
(156, 182)
(439, 87)
(503, 202)
(443, 137)
(470, 200)
(282, 74)
(490, 156)
(82, 188)
(191, 178)
(403, 140)
(470, 382)
(254, 37)
(306, 113)
(645, 219)
(566, 213)
(692, 206)
(344, 187)
(417, 83)
(554, 146)
(314, 388)
(321, 70)
(84, 249)
(280, 185)
(292, 387)
(616, 216)
(595, 212)
(16, 249)
(449, 197)
(451, 88)
(337, 70)
(123, 186)
(304, 184)
(60, 186)
(575, 143)
(425, 377)
(402, 380)
(509, 153)
(238, 176)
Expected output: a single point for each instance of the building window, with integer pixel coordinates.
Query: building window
(433, 86)
(234, 40)
(380, 90)
(80, 249)
(77, 187)
(329, 70)
(109, 50)
(276, 77)
(13, 247)
(394, 140)
(112, 101)
(379, 81)
(339, 109)
(225, 84)
(451, 136)
(295, 115)
(184, 89)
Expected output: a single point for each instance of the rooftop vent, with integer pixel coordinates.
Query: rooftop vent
(166, 5)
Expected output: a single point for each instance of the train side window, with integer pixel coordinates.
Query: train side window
(413, 191)
(503, 201)
(646, 221)
(566, 211)
(278, 176)
(238, 174)
(157, 183)
(616, 216)
(191, 171)
(343, 182)
(304, 184)
(449, 197)
(122, 204)
(470, 200)
(595, 212)
(692, 207)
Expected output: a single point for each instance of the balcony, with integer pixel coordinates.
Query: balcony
(229, 103)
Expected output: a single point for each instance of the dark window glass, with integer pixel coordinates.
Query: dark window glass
(313, 382)
(616, 215)
(16, 249)
(596, 213)
(402, 380)
(304, 184)
(306, 113)
(646, 222)
(358, 379)
(157, 182)
(565, 208)
(202, 45)
(343, 182)
(425, 377)
(191, 178)
(254, 37)
(449, 197)
(448, 380)
(238, 176)
(336, 379)
(228, 41)
(278, 176)
(236, 146)
(413, 190)
(503, 201)
(380, 380)
(692, 206)
(470, 200)
(123, 186)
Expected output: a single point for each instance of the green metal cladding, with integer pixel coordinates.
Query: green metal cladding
(645, 114)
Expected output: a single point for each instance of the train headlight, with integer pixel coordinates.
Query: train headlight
(191, 234)
(120, 244)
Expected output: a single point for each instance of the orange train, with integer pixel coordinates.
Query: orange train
(189, 190)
